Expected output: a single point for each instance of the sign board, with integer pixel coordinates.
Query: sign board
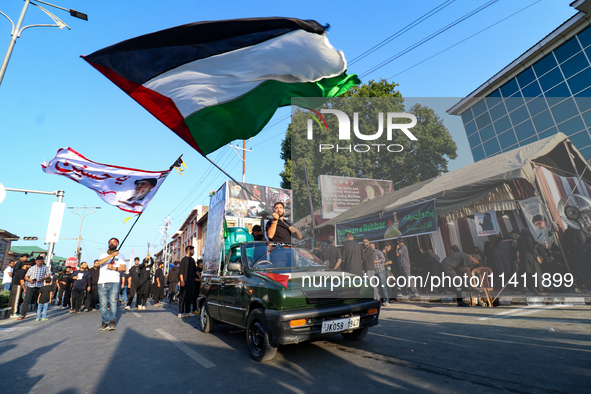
(214, 239)
(2, 193)
(55, 222)
(338, 194)
(71, 262)
(486, 223)
(404, 222)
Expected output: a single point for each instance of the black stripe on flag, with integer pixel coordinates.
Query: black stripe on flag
(142, 58)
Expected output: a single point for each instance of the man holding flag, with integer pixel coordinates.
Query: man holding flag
(108, 284)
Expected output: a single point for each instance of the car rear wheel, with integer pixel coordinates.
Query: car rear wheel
(257, 336)
(207, 323)
(356, 335)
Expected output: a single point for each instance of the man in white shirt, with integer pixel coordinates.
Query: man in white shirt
(7, 278)
(108, 283)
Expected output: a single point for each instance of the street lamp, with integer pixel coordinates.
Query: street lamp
(16, 30)
(84, 208)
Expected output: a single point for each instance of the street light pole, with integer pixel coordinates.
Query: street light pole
(84, 208)
(17, 30)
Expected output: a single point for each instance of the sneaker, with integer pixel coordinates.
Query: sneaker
(44, 319)
(127, 308)
(15, 315)
(104, 327)
(196, 313)
(112, 325)
(180, 315)
(21, 318)
(37, 319)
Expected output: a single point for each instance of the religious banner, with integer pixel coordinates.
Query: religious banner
(486, 223)
(537, 220)
(214, 239)
(404, 222)
(128, 189)
(338, 194)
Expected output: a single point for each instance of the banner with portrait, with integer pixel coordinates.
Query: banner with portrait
(486, 223)
(537, 220)
(214, 238)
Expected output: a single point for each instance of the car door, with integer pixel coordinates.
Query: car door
(232, 302)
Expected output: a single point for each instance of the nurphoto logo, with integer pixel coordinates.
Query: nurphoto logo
(345, 130)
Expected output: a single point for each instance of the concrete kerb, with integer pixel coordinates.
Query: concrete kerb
(557, 299)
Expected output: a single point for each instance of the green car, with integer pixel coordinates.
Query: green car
(282, 294)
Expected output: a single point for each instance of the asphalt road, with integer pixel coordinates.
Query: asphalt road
(429, 348)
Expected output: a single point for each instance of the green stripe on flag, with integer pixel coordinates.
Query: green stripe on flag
(244, 117)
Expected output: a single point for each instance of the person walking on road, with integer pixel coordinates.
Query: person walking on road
(80, 286)
(134, 275)
(43, 300)
(173, 280)
(65, 293)
(18, 289)
(144, 281)
(159, 284)
(92, 295)
(35, 279)
(187, 282)
(110, 264)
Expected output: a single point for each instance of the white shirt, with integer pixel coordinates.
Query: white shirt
(107, 275)
(7, 278)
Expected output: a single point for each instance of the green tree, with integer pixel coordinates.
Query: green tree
(419, 160)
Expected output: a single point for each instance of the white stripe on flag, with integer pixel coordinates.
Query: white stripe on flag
(294, 57)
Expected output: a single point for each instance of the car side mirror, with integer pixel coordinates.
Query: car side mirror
(235, 267)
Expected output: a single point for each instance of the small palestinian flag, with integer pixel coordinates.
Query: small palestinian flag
(215, 82)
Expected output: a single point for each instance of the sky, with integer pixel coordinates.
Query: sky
(50, 98)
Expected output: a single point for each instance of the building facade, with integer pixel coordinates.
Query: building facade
(544, 91)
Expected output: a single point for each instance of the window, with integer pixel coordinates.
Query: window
(529, 140)
(474, 140)
(507, 139)
(581, 81)
(583, 100)
(519, 115)
(514, 102)
(502, 124)
(483, 120)
(478, 153)
(467, 116)
(509, 88)
(493, 99)
(498, 111)
(548, 133)
(526, 77)
(491, 147)
(566, 50)
(574, 65)
(558, 94)
(479, 108)
(537, 105)
(585, 37)
(487, 133)
(551, 79)
(564, 110)
(525, 130)
(470, 128)
(532, 90)
(587, 118)
(543, 121)
(572, 126)
(544, 65)
(580, 139)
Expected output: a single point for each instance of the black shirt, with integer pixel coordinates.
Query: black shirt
(44, 294)
(368, 259)
(83, 280)
(94, 275)
(352, 255)
(159, 275)
(173, 275)
(134, 272)
(457, 259)
(68, 279)
(282, 233)
(332, 254)
(20, 275)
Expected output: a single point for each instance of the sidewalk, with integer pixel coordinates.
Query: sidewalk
(507, 299)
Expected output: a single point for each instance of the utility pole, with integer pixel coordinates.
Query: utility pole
(165, 252)
(243, 157)
(84, 208)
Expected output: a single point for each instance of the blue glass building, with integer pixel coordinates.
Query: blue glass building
(545, 91)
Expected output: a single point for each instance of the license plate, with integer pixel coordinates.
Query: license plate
(347, 324)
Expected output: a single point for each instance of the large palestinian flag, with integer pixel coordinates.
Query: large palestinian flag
(215, 82)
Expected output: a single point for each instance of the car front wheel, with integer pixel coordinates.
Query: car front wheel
(207, 323)
(356, 335)
(257, 335)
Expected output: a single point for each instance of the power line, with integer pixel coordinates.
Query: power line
(428, 38)
(465, 39)
(400, 32)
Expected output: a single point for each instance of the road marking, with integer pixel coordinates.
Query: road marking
(521, 311)
(136, 314)
(16, 329)
(189, 352)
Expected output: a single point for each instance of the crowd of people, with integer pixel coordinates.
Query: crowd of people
(104, 286)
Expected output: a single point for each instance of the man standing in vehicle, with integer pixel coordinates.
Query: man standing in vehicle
(279, 229)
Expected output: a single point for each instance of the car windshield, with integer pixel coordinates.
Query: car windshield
(266, 255)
